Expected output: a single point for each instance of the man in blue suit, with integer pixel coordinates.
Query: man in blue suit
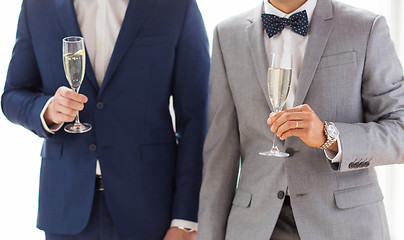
(132, 176)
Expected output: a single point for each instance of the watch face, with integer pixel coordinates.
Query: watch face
(332, 131)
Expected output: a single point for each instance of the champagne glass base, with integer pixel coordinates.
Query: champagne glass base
(274, 153)
(78, 128)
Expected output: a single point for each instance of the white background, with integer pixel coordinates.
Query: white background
(19, 149)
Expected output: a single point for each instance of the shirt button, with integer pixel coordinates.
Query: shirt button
(281, 194)
(100, 105)
(92, 147)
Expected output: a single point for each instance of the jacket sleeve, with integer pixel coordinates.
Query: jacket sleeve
(221, 153)
(23, 100)
(379, 140)
(190, 96)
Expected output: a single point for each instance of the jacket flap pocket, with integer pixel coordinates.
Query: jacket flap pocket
(339, 59)
(158, 153)
(353, 197)
(51, 150)
(242, 198)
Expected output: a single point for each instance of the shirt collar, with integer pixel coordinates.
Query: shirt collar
(309, 6)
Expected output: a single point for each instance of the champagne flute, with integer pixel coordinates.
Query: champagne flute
(278, 78)
(74, 62)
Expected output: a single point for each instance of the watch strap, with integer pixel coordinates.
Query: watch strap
(329, 140)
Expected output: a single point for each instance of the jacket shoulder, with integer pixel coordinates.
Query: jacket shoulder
(350, 13)
(238, 21)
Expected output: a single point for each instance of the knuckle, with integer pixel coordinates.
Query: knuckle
(71, 112)
(62, 90)
(291, 124)
(65, 102)
(70, 119)
(62, 118)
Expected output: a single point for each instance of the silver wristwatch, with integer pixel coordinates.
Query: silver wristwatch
(331, 132)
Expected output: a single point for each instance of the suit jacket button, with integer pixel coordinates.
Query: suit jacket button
(351, 165)
(362, 164)
(100, 105)
(356, 165)
(367, 164)
(92, 147)
(281, 194)
(291, 151)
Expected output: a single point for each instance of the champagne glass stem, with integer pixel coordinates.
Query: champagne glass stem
(274, 147)
(77, 120)
(275, 150)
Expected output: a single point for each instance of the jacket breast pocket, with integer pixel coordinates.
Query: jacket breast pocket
(337, 60)
(242, 198)
(152, 40)
(354, 197)
(51, 150)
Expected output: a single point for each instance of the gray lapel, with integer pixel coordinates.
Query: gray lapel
(319, 32)
(255, 35)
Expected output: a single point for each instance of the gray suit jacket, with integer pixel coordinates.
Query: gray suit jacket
(350, 75)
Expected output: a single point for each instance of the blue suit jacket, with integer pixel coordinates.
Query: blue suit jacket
(151, 173)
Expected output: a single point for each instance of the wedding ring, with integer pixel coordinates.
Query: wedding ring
(297, 124)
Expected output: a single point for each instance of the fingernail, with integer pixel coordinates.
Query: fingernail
(272, 129)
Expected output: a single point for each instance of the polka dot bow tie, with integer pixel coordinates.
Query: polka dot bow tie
(298, 22)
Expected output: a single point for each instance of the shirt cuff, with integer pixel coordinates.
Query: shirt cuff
(333, 156)
(50, 129)
(184, 224)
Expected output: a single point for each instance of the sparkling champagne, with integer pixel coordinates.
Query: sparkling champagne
(279, 80)
(74, 64)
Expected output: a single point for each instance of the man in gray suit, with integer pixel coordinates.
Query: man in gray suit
(345, 116)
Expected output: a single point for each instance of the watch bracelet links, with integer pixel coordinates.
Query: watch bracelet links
(327, 144)
(329, 141)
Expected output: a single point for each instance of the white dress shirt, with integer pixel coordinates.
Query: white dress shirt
(100, 22)
(292, 43)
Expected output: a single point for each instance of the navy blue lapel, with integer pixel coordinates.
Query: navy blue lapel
(68, 19)
(135, 15)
